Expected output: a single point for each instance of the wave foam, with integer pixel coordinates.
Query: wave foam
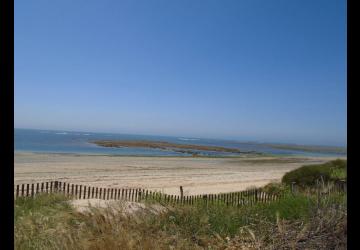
(188, 139)
(61, 133)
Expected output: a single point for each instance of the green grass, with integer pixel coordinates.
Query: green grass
(275, 188)
(308, 175)
(49, 222)
(39, 222)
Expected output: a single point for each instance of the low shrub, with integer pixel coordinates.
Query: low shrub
(308, 175)
(274, 188)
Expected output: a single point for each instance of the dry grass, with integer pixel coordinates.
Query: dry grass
(296, 222)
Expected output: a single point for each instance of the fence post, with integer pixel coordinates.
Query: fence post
(205, 198)
(32, 190)
(76, 191)
(17, 190)
(181, 192)
(89, 192)
(27, 189)
(343, 186)
(72, 190)
(83, 194)
(80, 189)
(130, 194)
(22, 189)
(37, 188)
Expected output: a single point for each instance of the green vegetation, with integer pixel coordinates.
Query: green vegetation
(297, 220)
(309, 174)
(163, 145)
(275, 188)
(43, 222)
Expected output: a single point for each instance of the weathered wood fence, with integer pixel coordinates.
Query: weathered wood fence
(246, 197)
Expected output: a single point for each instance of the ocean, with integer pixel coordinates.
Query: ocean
(75, 142)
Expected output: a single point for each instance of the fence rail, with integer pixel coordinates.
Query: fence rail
(76, 191)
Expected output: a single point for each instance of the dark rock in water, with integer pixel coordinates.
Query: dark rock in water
(181, 148)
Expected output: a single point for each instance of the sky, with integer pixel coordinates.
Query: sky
(269, 71)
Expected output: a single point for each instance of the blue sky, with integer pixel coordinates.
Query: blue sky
(248, 70)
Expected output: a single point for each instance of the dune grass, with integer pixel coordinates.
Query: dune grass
(49, 222)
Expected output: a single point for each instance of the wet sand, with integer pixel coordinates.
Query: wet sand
(166, 174)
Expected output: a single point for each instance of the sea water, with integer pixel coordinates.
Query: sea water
(75, 142)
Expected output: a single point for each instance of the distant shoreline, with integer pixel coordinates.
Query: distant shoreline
(191, 148)
(313, 149)
(243, 155)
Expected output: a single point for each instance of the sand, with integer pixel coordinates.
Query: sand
(126, 207)
(166, 174)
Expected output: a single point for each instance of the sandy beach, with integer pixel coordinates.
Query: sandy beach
(166, 174)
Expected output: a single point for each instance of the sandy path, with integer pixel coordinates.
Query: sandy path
(166, 174)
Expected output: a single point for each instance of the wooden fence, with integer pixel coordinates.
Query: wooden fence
(246, 197)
